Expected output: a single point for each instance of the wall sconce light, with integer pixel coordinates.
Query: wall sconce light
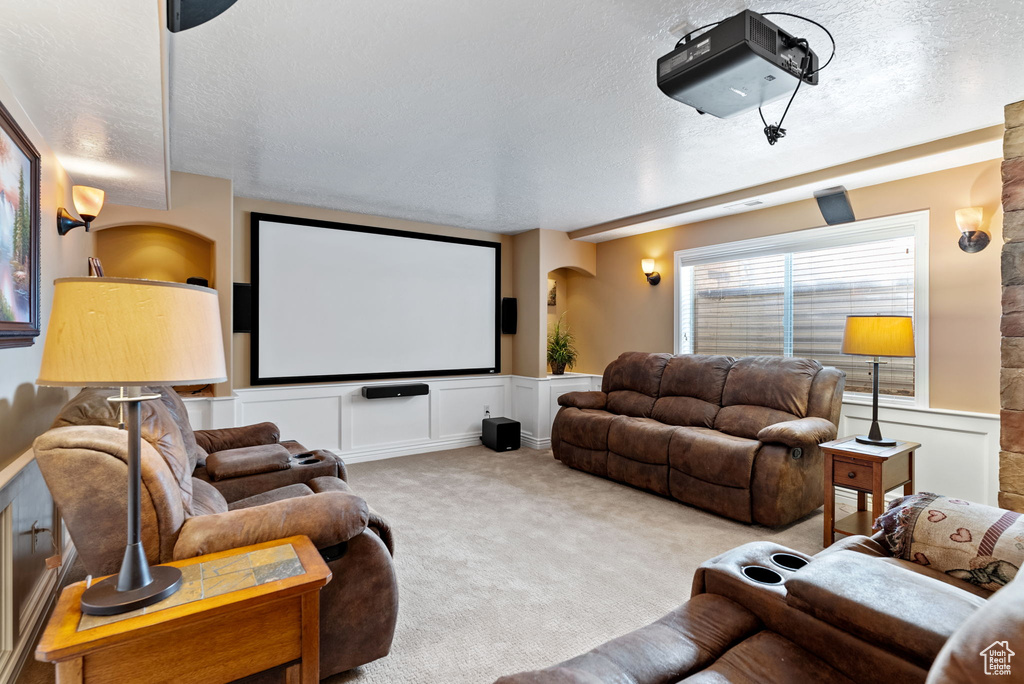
(88, 202)
(973, 238)
(653, 277)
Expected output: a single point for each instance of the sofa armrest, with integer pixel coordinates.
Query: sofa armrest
(553, 675)
(237, 437)
(886, 602)
(682, 643)
(584, 400)
(799, 433)
(327, 519)
(251, 460)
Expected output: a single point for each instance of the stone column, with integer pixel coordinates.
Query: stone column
(1011, 391)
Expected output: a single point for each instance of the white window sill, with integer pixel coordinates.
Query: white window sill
(860, 399)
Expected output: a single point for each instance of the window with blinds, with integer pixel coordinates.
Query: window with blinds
(790, 296)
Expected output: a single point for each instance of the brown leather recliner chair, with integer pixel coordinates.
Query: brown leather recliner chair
(240, 461)
(852, 613)
(737, 437)
(83, 460)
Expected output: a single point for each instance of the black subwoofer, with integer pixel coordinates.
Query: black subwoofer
(501, 434)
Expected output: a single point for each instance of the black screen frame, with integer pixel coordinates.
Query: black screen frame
(255, 378)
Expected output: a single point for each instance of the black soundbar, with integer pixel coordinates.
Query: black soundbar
(414, 389)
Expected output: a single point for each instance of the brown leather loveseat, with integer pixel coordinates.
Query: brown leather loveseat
(851, 614)
(737, 437)
(187, 511)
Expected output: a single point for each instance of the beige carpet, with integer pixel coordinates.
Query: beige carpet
(512, 561)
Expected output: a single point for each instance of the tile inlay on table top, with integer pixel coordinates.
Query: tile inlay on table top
(206, 580)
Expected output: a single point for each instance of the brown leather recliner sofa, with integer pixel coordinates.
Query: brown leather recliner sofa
(251, 489)
(852, 613)
(737, 437)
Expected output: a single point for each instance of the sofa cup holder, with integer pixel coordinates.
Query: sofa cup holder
(761, 574)
(788, 561)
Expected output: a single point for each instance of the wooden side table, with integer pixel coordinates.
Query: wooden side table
(237, 613)
(865, 469)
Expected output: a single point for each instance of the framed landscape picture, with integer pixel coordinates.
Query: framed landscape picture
(19, 235)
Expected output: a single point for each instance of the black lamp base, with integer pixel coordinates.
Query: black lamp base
(881, 441)
(103, 598)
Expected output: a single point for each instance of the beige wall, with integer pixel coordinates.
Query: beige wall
(532, 307)
(618, 311)
(245, 206)
(200, 205)
(26, 411)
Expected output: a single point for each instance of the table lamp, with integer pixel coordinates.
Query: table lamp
(121, 332)
(891, 336)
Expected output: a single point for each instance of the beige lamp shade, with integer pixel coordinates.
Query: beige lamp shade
(969, 219)
(879, 336)
(88, 201)
(647, 265)
(114, 332)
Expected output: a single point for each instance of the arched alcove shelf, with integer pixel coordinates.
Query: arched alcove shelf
(156, 252)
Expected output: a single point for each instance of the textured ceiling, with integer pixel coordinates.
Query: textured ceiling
(506, 116)
(89, 75)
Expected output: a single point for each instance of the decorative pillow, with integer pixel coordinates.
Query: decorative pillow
(979, 544)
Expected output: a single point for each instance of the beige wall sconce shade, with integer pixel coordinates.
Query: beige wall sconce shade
(123, 332)
(879, 336)
(647, 265)
(973, 237)
(88, 201)
(969, 218)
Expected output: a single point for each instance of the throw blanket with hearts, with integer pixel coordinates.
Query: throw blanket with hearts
(979, 544)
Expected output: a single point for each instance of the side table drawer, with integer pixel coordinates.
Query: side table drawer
(852, 475)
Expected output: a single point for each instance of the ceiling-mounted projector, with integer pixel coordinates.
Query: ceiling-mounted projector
(743, 63)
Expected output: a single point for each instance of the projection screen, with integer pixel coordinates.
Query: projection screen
(337, 302)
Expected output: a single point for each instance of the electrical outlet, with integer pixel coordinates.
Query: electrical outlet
(487, 408)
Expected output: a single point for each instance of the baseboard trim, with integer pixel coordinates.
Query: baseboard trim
(36, 615)
(534, 443)
(408, 449)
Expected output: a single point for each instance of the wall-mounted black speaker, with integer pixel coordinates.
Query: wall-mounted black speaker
(412, 389)
(185, 14)
(198, 281)
(242, 307)
(835, 206)
(509, 315)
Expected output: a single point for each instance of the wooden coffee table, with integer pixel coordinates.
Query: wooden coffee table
(237, 613)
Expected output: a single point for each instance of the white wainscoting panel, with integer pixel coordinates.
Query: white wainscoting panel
(460, 409)
(315, 420)
(337, 417)
(207, 413)
(959, 454)
(387, 422)
(525, 408)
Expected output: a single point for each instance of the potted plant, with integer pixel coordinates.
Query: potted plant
(561, 348)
